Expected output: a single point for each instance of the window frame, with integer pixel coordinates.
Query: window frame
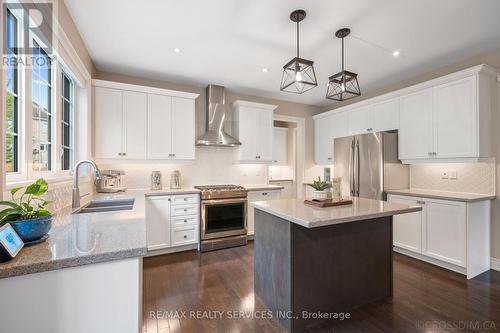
(64, 74)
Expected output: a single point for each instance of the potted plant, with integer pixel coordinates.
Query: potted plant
(28, 214)
(321, 189)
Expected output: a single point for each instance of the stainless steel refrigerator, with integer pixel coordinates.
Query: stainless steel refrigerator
(369, 165)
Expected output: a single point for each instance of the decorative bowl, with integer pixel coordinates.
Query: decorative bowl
(32, 230)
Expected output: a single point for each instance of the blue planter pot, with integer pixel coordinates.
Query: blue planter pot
(32, 230)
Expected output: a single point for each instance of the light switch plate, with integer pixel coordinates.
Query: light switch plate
(444, 174)
(453, 174)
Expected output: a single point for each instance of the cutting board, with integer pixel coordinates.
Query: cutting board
(327, 203)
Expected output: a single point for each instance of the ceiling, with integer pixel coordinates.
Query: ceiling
(229, 42)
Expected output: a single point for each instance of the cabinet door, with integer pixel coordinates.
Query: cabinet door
(360, 120)
(407, 228)
(108, 123)
(385, 115)
(323, 140)
(455, 119)
(280, 146)
(415, 121)
(158, 222)
(444, 235)
(264, 135)
(135, 109)
(251, 197)
(287, 191)
(271, 195)
(159, 127)
(247, 133)
(183, 128)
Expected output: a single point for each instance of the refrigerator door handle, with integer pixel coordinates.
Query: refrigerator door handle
(351, 168)
(358, 168)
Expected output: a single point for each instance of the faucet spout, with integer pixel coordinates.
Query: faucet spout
(76, 191)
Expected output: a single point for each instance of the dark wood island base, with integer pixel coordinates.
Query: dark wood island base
(331, 269)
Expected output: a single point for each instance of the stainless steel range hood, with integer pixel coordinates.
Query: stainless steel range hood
(216, 115)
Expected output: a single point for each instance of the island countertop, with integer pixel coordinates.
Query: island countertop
(296, 211)
(81, 239)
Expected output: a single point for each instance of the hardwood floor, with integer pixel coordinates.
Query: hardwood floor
(426, 298)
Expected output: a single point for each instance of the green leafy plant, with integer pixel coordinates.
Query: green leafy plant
(29, 205)
(320, 185)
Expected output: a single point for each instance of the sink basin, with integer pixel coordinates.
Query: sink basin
(96, 206)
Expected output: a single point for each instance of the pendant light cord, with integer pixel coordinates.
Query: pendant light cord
(297, 38)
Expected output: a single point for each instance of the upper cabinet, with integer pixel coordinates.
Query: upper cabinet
(445, 119)
(280, 146)
(137, 122)
(254, 127)
(326, 129)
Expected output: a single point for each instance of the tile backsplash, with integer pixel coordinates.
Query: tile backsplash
(470, 177)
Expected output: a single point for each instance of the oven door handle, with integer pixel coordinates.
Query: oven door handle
(222, 201)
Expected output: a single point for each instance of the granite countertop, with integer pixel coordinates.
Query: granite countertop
(80, 239)
(296, 211)
(445, 195)
(169, 191)
(262, 187)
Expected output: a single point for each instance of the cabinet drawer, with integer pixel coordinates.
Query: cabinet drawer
(270, 195)
(185, 199)
(185, 221)
(181, 210)
(184, 235)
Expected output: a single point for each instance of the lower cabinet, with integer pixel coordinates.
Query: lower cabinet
(258, 196)
(452, 234)
(172, 220)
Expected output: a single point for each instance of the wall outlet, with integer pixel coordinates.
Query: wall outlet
(444, 174)
(453, 174)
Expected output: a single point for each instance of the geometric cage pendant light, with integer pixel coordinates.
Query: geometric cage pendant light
(343, 85)
(298, 74)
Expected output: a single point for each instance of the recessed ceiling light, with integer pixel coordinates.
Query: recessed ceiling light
(395, 53)
(265, 70)
(177, 50)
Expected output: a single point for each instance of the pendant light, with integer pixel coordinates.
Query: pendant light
(298, 74)
(343, 85)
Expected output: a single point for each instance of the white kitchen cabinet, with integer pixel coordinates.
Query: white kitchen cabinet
(259, 195)
(326, 129)
(158, 222)
(138, 122)
(444, 228)
(108, 120)
(287, 191)
(415, 123)
(407, 228)
(280, 146)
(135, 106)
(447, 233)
(360, 120)
(171, 125)
(120, 123)
(172, 221)
(455, 119)
(385, 115)
(254, 127)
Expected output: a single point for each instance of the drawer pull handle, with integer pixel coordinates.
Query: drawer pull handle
(185, 199)
(185, 221)
(185, 236)
(185, 210)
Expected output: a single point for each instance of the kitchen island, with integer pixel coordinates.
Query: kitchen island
(311, 264)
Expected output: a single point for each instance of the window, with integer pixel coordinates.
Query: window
(12, 98)
(67, 122)
(42, 110)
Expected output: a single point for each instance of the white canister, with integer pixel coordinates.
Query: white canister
(156, 180)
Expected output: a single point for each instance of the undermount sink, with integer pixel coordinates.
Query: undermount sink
(96, 206)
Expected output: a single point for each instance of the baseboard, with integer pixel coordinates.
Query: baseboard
(495, 264)
(158, 252)
(430, 260)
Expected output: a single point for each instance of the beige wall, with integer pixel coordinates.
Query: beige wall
(492, 59)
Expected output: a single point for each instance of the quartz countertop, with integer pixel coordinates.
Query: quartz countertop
(262, 187)
(445, 195)
(169, 191)
(296, 211)
(80, 239)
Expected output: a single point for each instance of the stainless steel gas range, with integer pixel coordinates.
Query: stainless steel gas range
(223, 216)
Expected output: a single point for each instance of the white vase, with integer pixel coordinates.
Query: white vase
(322, 195)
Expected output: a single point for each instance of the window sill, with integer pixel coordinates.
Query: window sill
(56, 180)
